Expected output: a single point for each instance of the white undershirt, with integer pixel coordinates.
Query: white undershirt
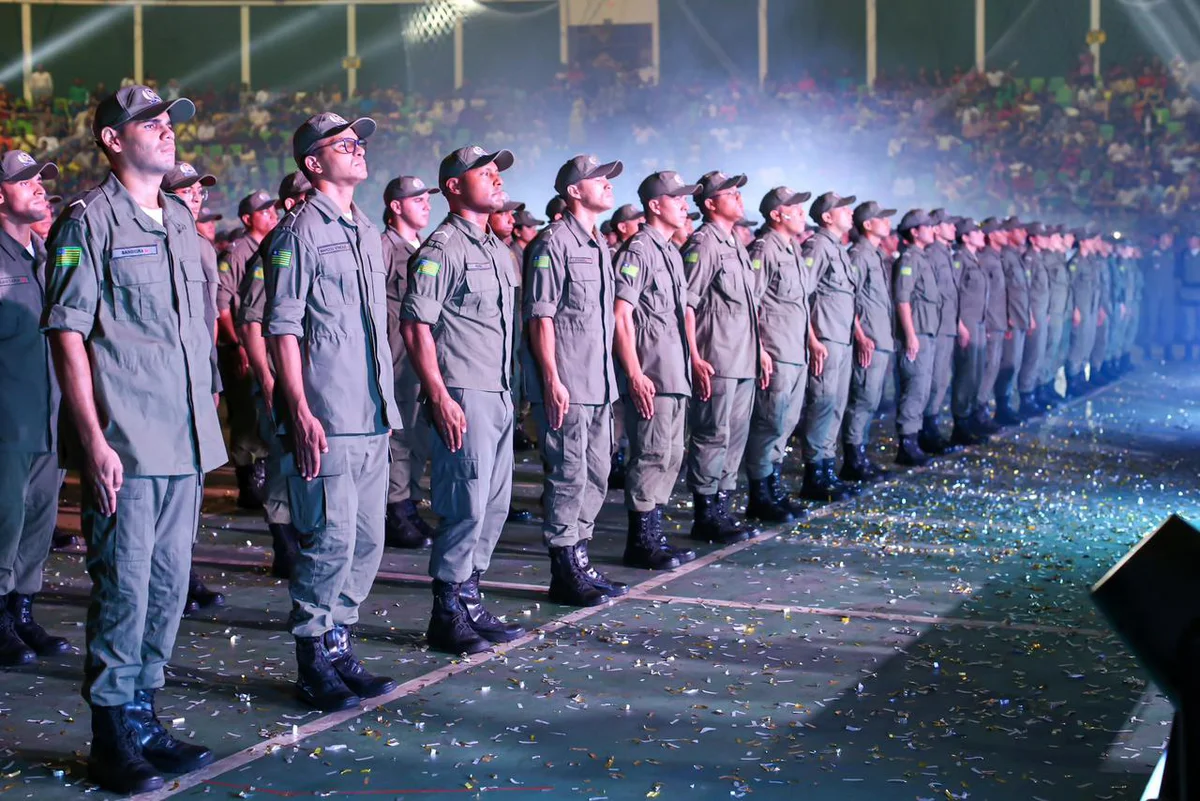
(29, 248)
(154, 214)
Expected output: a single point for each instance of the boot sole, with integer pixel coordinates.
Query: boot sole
(311, 701)
(499, 637)
(167, 766)
(147, 786)
(560, 599)
(479, 648)
(642, 564)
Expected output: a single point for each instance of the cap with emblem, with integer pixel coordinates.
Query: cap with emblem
(525, 219)
(827, 203)
(469, 158)
(606, 227)
(583, 168)
(556, 207)
(255, 201)
(135, 103)
(627, 213)
(208, 215)
(17, 165)
(991, 225)
(184, 175)
(712, 183)
(870, 211)
(1036, 229)
(1013, 224)
(407, 186)
(320, 126)
(666, 183)
(779, 197)
(916, 218)
(939, 216)
(964, 226)
(294, 185)
(693, 216)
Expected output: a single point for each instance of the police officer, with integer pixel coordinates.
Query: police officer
(252, 303)
(970, 353)
(1021, 322)
(874, 343)
(502, 223)
(246, 449)
(744, 229)
(1085, 293)
(918, 318)
(406, 200)
(525, 230)
(1189, 292)
(1100, 347)
(785, 284)
(624, 224)
(1123, 296)
(651, 345)
(457, 321)
(831, 351)
(995, 319)
(1139, 293)
(1059, 279)
(1158, 308)
(125, 307)
(206, 225)
(950, 331)
(683, 234)
(626, 221)
(327, 290)
(555, 208)
(1033, 258)
(571, 383)
(726, 357)
(29, 398)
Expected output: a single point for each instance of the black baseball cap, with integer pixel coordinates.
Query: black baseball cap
(138, 103)
(511, 205)
(208, 215)
(1036, 229)
(581, 168)
(716, 181)
(693, 216)
(991, 225)
(964, 225)
(184, 175)
(319, 126)
(469, 158)
(915, 218)
(525, 219)
(745, 223)
(1013, 224)
(556, 207)
(665, 183)
(781, 196)
(606, 227)
(870, 211)
(294, 185)
(939, 216)
(17, 165)
(627, 213)
(255, 201)
(407, 186)
(826, 203)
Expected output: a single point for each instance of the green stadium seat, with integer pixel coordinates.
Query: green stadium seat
(236, 150)
(216, 151)
(1057, 82)
(1020, 82)
(1037, 84)
(1085, 176)
(1107, 132)
(1175, 127)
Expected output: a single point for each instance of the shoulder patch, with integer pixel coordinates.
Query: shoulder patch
(809, 261)
(542, 262)
(957, 265)
(281, 258)
(692, 258)
(68, 257)
(257, 275)
(756, 264)
(223, 266)
(428, 267)
(629, 269)
(906, 270)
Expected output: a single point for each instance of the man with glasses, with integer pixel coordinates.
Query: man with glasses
(326, 326)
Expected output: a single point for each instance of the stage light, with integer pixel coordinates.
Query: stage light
(436, 19)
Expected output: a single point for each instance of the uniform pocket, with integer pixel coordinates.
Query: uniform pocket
(197, 286)
(454, 482)
(482, 297)
(583, 284)
(337, 287)
(140, 287)
(323, 501)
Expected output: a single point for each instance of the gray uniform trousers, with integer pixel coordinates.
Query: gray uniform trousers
(1051, 357)
(275, 505)
(916, 382)
(720, 428)
(828, 394)
(579, 455)
(1010, 365)
(472, 487)
(943, 371)
(969, 366)
(29, 485)
(338, 516)
(777, 411)
(1031, 359)
(139, 559)
(991, 367)
(245, 445)
(655, 451)
(1100, 345)
(866, 392)
(1083, 339)
(409, 449)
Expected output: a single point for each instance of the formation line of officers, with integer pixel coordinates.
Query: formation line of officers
(350, 360)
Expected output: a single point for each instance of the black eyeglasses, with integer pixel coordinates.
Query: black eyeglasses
(347, 146)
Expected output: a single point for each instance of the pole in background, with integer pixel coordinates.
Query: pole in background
(245, 45)
(27, 50)
(763, 42)
(872, 42)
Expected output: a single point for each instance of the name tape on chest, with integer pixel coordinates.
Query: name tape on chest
(13, 280)
(135, 252)
(339, 247)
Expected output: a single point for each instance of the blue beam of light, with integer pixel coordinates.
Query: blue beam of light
(85, 29)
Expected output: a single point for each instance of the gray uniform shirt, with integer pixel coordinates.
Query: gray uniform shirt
(327, 288)
(997, 305)
(570, 281)
(1085, 284)
(136, 292)
(914, 282)
(252, 292)
(1059, 279)
(231, 270)
(29, 395)
(873, 298)
(650, 278)
(1039, 284)
(783, 308)
(720, 292)
(208, 260)
(973, 285)
(943, 265)
(396, 253)
(1017, 280)
(460, 283)
(833, 301)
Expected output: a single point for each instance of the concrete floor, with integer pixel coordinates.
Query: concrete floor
(931, 639)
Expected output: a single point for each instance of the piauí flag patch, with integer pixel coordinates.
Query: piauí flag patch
(223, 267)
(258, 273)
(542, 262)
(630, 269)
(428, 267)
(756, 264)
(693, 258)
(906, 270)
(281, 258)
(809, 262)
(68, 257)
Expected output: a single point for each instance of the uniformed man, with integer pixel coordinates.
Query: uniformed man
(1021, 322)
(950, 331)
(555, 208)
(996, 319)
(744, 229)
(1070, 251)
(247, 451)
(125, 306)
(651, 345)
(685, 233)
(1159, 299)
(457, 321)
(727, 356)
(406, 203)
(611, 240)
(525, 230)
(42, 227)
(327, 289)
(970, 354)
(206, 225)
(1189, 293)
(784, 286)
(918, 319)
(252, 303)
(1138, 298)
(1033, 258)
(1096, 376)
(30, 478)
(1085, 294)
(192, 188)
(831, 349)
(874, 343)
(626, 221)
(1124, 287)
(1059, 278)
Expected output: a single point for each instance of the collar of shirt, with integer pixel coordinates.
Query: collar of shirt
(778, 240)
(726, 236)
(470, 229)
(657, 238)
(825, 233)
(579, 232)
(330, 210)
(15, 251)
(125, 208)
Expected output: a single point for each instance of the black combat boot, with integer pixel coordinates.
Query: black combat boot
(1030, 409)
(684, 555)
(818, 484)
(340, 648)
(569, 585)
(910, 453)
(159, 748)
(14, 651)
(318, 684)
(286, 548)
(1126, 365)
(964, 434)
(199, 596)
(1077, 385)
(729, 524)
(854, 463)
(779, 492)
(984, 424)
(931, 440)
(611, 588)
(399, 528)
(1006, 416)
(486, 625)
(450, 630)
(644, 545)
(20, 607)
(115, 761)
(709, 526)
(847, 489)
(521, 440)
(763, 506)
(616, 474)
(248, 497)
